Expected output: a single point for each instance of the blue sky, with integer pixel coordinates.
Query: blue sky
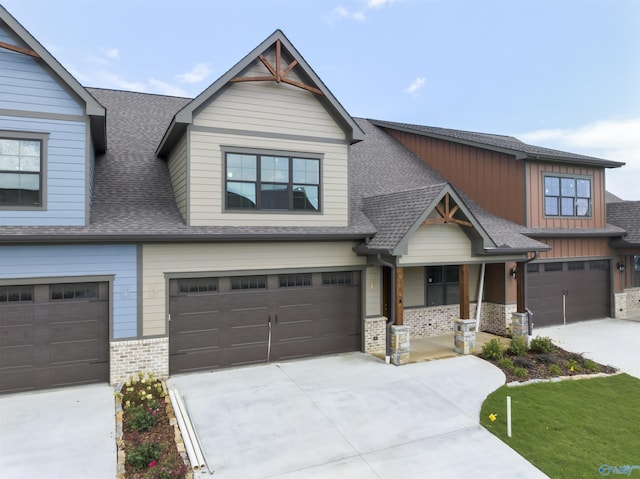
(558, 73)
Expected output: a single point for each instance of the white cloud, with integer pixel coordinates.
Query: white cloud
(196, 74)
(158, 86)
(112, 53)
(416, 85)
(359, 15)
(611, 140)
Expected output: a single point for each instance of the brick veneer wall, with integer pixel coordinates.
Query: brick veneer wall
(620, 305)
(375, 333)
(633, 302)
(142, 355)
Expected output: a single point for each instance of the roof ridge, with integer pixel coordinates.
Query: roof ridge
(410, 190)
(116, 90)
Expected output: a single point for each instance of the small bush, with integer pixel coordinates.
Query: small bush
(545, 358)
(520, 372)
(506, 363)
(518, 346)
(542, 345)
(167, 470)
(591, 366)
(523, 362)
(142, 417)
(555, 369)
(493, 349)
(139, 457)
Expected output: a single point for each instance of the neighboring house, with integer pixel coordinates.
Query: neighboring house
(260, 222)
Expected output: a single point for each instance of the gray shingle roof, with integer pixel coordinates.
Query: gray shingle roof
(626, 215)
(502, 143)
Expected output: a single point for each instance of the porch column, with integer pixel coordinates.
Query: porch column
(520, 319)
(399, 296)
(464, 291)
(520, 287)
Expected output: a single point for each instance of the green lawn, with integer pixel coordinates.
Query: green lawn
(569, 429)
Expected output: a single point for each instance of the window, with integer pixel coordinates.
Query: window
(533, 268)
(295, 280)
(334, 279)
(552, 267)
(636, 270)
(567, 196)
(443, 285)
(74, 291)
(600, 264)
(248, 282)
(21, 168)
(272, 182)
(575, 266)
(198, 285)
(16, 293)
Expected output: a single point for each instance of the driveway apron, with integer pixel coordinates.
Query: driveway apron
(612, 342)
(61, 433)
(349, 416)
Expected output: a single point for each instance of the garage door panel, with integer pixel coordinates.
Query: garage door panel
(46, 342)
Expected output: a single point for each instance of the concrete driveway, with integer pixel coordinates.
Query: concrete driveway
(58, 433)
(608, 341)
(349, 416)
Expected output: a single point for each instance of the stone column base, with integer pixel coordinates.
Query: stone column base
(400, 346)
(464, 338)
(519, 324)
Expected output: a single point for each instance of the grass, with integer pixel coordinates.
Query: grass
(568, 429)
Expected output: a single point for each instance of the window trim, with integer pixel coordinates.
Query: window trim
(560, 177)
(225, 150)
(445, 284)
(43, 138)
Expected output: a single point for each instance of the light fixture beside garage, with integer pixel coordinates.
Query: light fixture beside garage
(620, 266)
(513, 272)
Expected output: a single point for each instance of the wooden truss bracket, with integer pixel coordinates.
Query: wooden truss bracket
(15, 48)
(277, 74)
(446, 214)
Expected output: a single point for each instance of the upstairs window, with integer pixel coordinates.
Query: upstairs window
(272, 182)
(20, 172)
(567, 196)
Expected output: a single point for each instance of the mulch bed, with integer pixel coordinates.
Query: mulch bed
(537, 366)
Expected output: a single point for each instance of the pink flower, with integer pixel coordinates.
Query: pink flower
(152, 464)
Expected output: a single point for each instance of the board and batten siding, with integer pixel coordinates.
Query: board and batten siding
(57, 262)
(26, 85)
(219, 258)
(178, 172)
(489, 177)
(537, 219)
(206, 186)
(575, 248)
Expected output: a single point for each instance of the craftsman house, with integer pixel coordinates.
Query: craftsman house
(260, 222)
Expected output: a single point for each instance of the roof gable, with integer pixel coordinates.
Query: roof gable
(277, 73)
(95, 111)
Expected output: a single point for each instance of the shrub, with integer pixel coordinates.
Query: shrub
(493, 349)
(542, 345)
(545, 358)
(139, 457)
(591, 366)
(143, 417)
(573, 366)
(506, 363)
(167, 470)
(555, 369)
(523, 362)
(518, 346)
(520, 372)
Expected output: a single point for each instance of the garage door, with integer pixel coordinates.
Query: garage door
(579, 290)
(232, 321)
(53, 335)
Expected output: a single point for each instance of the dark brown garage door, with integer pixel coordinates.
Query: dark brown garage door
(53, 335)
(232, 321)
(577, 290)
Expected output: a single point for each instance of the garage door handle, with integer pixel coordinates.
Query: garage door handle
(276, 319)
(269, 341)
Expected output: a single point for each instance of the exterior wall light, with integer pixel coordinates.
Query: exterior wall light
(620, 266)
(513, 272)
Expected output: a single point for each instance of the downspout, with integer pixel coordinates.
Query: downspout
(391, 320)
(480, 292)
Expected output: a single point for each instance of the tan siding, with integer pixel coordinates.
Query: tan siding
(537, 219)
(575, 247)
(158, 259)
(207, 184)
(373, 288)
(486, 176)
(414, 286)
(438, 244)
(178, 171)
